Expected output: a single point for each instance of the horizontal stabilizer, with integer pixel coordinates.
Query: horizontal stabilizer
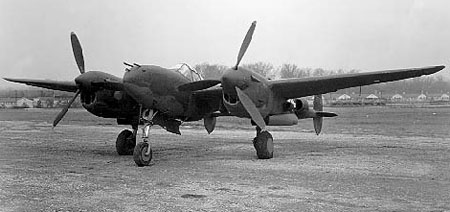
(325, 114)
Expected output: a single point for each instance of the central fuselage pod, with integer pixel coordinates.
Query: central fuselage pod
(156, 88)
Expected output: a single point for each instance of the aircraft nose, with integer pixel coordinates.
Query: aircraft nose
(132, 76)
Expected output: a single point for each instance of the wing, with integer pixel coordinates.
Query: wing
(295, 88)
(69, 86)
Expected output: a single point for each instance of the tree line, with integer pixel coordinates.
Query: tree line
(288, 70)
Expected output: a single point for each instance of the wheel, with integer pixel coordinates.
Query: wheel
(263, 144)
(125, 143)
(139, 154)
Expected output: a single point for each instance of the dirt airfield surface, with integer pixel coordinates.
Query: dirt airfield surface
(75, 167)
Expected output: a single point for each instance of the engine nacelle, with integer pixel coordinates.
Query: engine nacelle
(108, 104)
(302, 109)
(301, 105)
(287, 119)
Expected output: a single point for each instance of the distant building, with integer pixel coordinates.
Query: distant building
(37, 102)
(372, 97)
(422, 97)
(444, 97)
(24, 102)
(397, 97)
(14, 102)
(7, 102)
(344, 97)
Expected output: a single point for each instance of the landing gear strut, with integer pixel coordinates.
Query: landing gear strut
(126, 141)
(263, 143)
(142, 154)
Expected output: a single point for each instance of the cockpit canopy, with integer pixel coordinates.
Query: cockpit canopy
(187, 71)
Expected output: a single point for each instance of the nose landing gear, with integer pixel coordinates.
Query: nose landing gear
(263, 143)
(126, 141)
(142, 153)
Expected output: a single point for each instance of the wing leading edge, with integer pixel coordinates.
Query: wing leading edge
(69, 86)
(295, 88)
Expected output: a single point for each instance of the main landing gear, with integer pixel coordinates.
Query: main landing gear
(142, 153)
(126, 141)
(263, 143)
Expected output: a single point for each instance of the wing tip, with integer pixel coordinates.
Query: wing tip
(17, 80)
(434, 69)
(439, 67)
(10, 79)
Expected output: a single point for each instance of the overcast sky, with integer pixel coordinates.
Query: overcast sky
(331, 34)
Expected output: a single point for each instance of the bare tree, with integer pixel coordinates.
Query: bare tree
(289, 71)
(293, 71)
(262, 68)
(210, 71)
(318, 72)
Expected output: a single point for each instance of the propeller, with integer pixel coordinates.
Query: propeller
(204, 84)
(245, 44)
(77, 51)
(65, 109)
(246, 101)
(78, 54)
(318, 120)
(251, 109)
(210, 123)
(248, 104)
(319, 113)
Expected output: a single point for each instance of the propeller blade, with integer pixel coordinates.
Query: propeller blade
(77, 51)
(198, 85)
(210, 123)
(65, 109)
(318, 103)
(318, 106)
(251, 109)
(245, 44)
(318, 124)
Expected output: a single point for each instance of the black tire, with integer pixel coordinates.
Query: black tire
(139, 154)
(263, 144)
(125, 143)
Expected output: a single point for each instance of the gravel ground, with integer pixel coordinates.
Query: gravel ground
(75, 168)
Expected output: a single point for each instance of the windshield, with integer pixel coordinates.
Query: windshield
(187, 71)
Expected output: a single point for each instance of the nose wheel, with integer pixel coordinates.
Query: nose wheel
(263, 143)
(142, 154)
(126, 141)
